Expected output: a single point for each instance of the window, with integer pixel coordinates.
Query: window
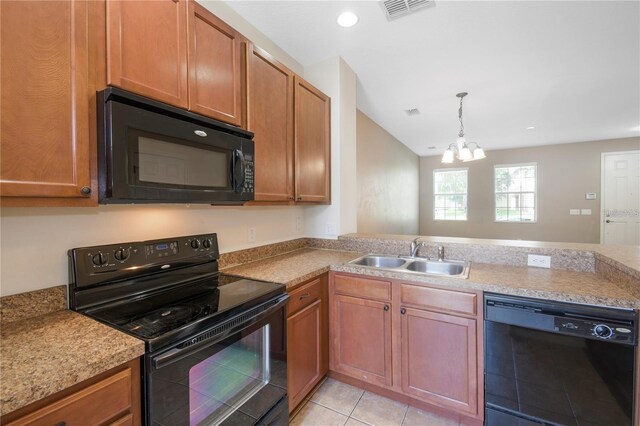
(450, 194)
(515, 193)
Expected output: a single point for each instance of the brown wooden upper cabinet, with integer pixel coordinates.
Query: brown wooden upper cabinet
(150, 46)
(270, 117)
(291, 122)
(45, 131)
(312, 136)
(147, 48)
(216, 54)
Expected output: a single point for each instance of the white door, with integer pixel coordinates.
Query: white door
(620, 219)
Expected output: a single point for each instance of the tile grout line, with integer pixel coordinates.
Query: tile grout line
(405, 415)
(354, 407)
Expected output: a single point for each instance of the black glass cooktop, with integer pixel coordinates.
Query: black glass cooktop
(168, 314)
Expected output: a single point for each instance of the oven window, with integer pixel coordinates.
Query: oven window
(220, 384)
(172, 163)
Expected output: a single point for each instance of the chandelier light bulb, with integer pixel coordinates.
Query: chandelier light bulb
(447, 157)
(478, 154)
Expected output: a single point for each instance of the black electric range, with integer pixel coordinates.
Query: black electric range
(215, 344)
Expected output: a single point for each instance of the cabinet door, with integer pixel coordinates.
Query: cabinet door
(215, 66)
(45, 148)
(439, 362)
(147, 48)
(312, 143)
(304, 354)
(360, 333)
(270, 118)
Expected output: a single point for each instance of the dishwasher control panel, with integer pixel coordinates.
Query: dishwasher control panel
(594, 328)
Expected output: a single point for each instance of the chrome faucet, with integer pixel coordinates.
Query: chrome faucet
(415, 247)
(440, 253)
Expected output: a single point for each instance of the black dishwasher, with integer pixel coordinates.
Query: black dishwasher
(556, 363)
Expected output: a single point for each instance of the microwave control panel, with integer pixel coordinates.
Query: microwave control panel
(248, 173)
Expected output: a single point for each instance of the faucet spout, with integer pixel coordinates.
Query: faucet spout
(440, 253)
(415, 247)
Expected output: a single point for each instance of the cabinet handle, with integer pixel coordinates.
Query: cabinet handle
(299, 198)
(85, 190)
(304, 296)
(61, 424)
(403, 311)
(291, 197)
(386, 307)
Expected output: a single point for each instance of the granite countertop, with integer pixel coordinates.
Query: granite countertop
(560, 285)
(625, 258)
(293, 268)
(551, 284)
(45, 354)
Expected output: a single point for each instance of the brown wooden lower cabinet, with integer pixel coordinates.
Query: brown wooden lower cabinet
(361, 338)
(422, 345)
(307, 339)
(111, 398)
(439, 361)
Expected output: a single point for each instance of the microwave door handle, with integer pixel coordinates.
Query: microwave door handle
(238, 170)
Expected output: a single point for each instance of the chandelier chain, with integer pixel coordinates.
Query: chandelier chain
(461, 134)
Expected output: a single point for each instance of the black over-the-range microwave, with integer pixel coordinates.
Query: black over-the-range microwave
(150, 152)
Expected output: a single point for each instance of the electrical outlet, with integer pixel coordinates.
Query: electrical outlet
(331, 229)
(574, 212)
(585, 212)
(251, 235)
(539, 261)
(299, 223)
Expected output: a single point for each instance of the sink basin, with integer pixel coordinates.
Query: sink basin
(445, 267)
(380, 261)
(415, 265)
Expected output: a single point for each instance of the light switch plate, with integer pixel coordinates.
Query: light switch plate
(585, 212)
(574, 212)
(590, 196)
(539, 261)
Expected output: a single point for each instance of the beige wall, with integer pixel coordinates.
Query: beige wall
(387, 181)
(565, 173)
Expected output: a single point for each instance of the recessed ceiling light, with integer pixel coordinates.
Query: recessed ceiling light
(530, 128)
(347, 19)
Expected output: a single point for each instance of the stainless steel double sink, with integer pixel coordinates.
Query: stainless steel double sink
(414, 265)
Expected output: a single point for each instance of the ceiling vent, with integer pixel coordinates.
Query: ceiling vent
(412, 111)
(398, 8)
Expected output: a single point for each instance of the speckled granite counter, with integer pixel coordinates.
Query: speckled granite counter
(45, 354)
(561, 285)
(294, 267)
(551, 284)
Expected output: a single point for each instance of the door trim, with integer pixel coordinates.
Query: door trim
(601, 212)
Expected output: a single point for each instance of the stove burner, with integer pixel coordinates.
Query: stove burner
(162, 319)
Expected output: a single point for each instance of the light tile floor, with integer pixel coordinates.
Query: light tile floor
(339, 404)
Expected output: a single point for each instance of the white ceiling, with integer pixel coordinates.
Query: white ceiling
(571, 69)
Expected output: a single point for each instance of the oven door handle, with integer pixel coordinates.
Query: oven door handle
(177, 354)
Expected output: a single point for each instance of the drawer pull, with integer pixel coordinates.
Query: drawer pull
(61, 424)
(304, 296)
(403, 311)
(386, 307)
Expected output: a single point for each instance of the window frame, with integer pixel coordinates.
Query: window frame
(535, 193)
(466, 194)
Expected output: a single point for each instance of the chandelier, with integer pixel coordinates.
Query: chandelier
(460, 149)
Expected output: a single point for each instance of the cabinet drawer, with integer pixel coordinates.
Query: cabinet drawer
(94, 405)
(362, 287)
(437, 299)
(304, 296)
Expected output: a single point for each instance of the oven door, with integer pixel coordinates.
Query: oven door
(166, 155)
(235, 373)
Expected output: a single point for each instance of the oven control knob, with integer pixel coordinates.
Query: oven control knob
(206, 244)
(121, 254)
(195, 244)
(99, 259)
(603, 331)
